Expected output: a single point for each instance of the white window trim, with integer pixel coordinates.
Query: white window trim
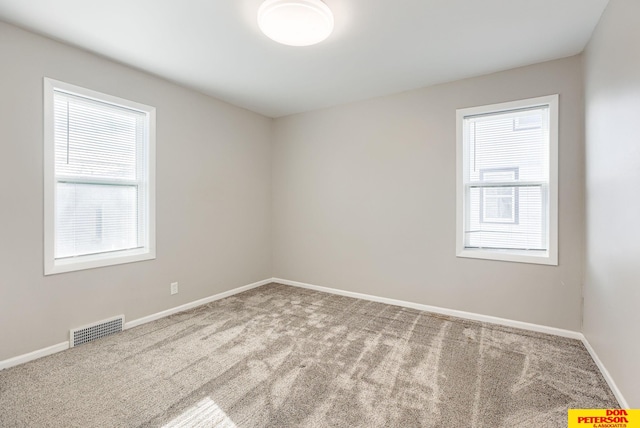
(148, 251)
(548, 257)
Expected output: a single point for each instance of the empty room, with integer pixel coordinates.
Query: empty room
(319, 213)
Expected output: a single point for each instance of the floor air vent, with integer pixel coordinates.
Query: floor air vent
(96, 330)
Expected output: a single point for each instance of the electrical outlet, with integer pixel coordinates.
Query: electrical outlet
(174, 288)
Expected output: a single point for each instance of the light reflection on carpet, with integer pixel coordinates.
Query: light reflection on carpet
(204, 414)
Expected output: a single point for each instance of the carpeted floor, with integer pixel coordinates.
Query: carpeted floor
(279, 356)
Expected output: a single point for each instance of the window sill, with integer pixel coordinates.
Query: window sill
(517, 256)
(98, 260)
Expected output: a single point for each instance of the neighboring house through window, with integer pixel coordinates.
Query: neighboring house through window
(99, 179)
(499, 204)
(507, 181)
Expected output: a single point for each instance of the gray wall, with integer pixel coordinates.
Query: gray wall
(213, 198)
(612, 280)
(364, 200)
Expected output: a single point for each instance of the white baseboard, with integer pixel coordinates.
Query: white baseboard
(605, 373)
(193, 304)
(39, 353)
(21, 359)
(438, 310)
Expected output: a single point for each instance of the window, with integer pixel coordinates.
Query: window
(99, 179)
(507, 181)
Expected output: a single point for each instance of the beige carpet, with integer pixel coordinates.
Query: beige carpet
(278, 356)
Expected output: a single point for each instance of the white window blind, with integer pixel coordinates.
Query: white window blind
(506, 179)
(101, 180)
(99, 152)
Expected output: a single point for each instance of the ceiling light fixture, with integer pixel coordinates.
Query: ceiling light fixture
(295, 22)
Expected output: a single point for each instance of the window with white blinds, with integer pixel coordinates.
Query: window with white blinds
(99, 179)
(507, 181)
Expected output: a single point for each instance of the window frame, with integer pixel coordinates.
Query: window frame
(548, 257)
(148, 249)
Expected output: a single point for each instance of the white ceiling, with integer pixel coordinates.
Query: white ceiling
(378, 47)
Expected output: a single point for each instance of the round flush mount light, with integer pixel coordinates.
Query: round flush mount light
(295, 22)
